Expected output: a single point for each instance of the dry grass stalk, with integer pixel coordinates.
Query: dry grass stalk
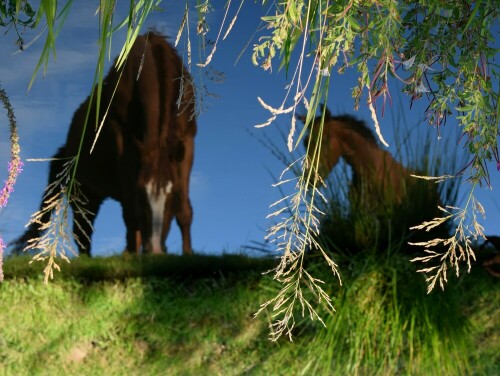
(294, 235)
(457, 248)
(53, 221)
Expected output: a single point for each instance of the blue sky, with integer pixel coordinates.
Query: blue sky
(231, 178)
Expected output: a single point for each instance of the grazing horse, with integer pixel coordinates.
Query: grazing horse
(375, 172)
(144, 153)
(382, 192)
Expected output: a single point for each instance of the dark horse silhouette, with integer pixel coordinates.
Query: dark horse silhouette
(376, 174)
(382, 190)
(144, 154)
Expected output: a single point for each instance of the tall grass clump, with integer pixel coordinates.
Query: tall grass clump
(385, 323)
(355, 222)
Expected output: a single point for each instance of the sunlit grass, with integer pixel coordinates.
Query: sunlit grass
(386, 323)
(94, 320)
(146, 326)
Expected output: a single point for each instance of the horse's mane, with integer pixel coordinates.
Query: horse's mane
(356, 125)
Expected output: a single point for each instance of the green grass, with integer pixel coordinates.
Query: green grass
(142, 324)
(195, 318)
(395, 327)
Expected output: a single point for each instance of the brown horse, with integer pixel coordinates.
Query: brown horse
(144, 154)
(382, 192)
(375, 172)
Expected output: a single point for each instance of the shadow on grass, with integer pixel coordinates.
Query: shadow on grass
(95, 269)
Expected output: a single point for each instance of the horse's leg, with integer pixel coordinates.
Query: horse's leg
(33, 231)
(184, 210)
(133, 235)
(83, 224)
(137, 216)
(184, 219)
(167, 218)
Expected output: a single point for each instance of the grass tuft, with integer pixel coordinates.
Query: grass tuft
(386, 323)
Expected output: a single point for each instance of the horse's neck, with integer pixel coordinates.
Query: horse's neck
(364, 156)
(373, 167)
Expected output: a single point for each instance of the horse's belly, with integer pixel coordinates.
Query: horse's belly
(100, 176)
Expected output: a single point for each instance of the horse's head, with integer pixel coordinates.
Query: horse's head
(330, 147)
(154, 195)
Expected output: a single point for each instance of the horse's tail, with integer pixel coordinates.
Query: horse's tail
(33, 231)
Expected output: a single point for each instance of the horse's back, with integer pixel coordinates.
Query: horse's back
(149, 86)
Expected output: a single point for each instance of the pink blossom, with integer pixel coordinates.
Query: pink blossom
(2, 247)
(15, 164)
(15, 168)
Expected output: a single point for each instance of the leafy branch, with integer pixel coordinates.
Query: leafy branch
(442, 51)
(14, 13)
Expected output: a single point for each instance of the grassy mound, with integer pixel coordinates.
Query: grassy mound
(196, 317)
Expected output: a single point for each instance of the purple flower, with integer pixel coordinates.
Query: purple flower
(15, 167)
(2, 247)
(15, 164)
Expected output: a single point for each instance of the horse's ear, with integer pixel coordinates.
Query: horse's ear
(328, 114)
